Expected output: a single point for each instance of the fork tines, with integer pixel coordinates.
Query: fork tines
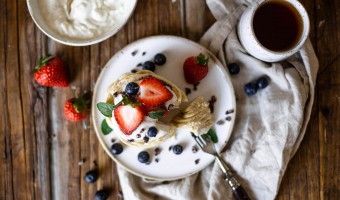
(200, 141)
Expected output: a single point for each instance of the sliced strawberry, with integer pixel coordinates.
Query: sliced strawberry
(153, 93)
(128, 118)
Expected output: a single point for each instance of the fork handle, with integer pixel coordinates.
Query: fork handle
(240, 194)
(238, 190)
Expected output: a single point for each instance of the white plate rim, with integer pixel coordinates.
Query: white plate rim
(94, 106)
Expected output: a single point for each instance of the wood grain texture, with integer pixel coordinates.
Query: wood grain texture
(43, 156)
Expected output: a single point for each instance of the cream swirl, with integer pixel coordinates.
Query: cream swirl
(83, 19)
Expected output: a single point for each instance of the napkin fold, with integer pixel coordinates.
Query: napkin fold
(269, 125)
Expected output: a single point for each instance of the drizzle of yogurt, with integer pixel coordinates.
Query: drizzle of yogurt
(83, 19)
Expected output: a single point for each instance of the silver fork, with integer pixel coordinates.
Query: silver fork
(208, 146)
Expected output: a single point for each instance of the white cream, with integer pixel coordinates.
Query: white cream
(83, 19)
(138, 134)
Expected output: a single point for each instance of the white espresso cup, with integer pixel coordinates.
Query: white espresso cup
(251, 42)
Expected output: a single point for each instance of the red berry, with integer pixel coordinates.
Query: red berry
(76, 109)
(153, 93)
(195, 68)
(51, 72)
(128, 118)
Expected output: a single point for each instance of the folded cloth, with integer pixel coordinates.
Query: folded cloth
(269, 125)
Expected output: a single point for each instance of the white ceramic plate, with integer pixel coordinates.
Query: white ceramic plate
(40, 21)
(217, 83)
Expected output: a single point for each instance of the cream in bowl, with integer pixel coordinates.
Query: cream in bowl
(80, 22)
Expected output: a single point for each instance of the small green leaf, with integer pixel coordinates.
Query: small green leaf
(156, 114)
(134, 104)
(202, 60)
(212, 134)
(106, 108)
(106, 129)
(125, 100)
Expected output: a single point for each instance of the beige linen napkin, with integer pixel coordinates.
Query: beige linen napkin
(269, 125)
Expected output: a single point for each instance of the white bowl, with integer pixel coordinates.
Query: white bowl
(36, 14)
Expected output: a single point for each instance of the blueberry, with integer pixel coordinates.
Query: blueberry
(116, 148)
(91, 176)
(159, 59)
(250, 89)
(143, 157)
(148, 65)
(131, 88)
(177, 149)
(102, 194)
(152, 132)
(262, 82)
(233, 68)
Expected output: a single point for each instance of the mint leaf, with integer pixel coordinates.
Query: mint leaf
(156, 114)
(106, 129)
(106, 108)
(212, 134)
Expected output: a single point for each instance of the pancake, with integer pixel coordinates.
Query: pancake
(139, 137)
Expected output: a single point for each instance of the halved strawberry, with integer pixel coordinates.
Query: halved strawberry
(153, 93)
(128, 118)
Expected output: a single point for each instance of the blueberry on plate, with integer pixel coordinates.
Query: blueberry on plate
(131, 88)
(148, 65)
(102, 194)
(92, 176)
(250, 89)
(262, 82)
(159, 59)
(116, 148)
(143, 157)
(152, 132)
(233, 68)
(177, 149)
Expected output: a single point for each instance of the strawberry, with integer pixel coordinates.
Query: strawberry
(195, 68)
(128, 118)
(76, 109)
(153, 93)
(51, 72)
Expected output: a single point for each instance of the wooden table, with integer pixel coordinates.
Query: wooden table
(41, 151)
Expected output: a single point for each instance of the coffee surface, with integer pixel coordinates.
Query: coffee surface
(277, 25)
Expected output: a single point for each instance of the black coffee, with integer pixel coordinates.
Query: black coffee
(277, 25)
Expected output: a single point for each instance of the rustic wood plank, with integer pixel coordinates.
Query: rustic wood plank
(35, 109)
(328, 35)
(6, 160)
(21, 189)
(197, 19)
(301, 180)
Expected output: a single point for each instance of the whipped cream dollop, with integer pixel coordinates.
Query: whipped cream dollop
(84, 19)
